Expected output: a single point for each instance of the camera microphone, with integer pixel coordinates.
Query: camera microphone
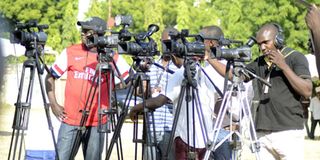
(252, 40)
(152, 29)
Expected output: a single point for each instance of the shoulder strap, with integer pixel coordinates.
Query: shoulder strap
(287, 51)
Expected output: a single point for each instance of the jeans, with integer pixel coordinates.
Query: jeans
(158, 152)
(92, 142)
(162, 147)
(314, 123)
(224, 151)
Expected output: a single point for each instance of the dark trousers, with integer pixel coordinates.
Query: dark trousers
(314, 123)
(162, 148)
(182, 150)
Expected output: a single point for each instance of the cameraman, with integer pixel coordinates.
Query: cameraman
(208, 99)
(160, 73)
(79, 61)
(279, 117)
(211, 36)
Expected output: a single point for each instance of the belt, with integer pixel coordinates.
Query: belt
(233, 127)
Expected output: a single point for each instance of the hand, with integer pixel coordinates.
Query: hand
(134, 113)
(156, 90)
(277, 58)
(58, 111)
(313, 17)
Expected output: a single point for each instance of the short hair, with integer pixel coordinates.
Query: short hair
(211, 32)
(165, 32)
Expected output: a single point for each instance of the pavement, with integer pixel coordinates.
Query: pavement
(39, 137)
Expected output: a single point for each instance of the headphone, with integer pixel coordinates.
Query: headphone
(279, 38)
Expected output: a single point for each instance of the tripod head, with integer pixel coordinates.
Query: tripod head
(240, 71)
(142, 64)
(190, 71)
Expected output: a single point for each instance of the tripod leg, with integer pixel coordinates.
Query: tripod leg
(121, 119)
(21, 116)
(175, 121)
(46, 108)
(85, 112)
(255, 144)
(218, 125)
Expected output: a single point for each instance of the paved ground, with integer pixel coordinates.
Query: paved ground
(39, 136)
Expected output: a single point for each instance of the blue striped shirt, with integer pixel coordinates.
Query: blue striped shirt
(163, 116)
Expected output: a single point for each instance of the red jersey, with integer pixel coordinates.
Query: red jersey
(80, 66)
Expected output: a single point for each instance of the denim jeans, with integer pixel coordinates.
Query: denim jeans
(92, 142)
(224, 151)
(160, 149)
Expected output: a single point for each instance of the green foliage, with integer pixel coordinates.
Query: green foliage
(48, 59)
(239, 19)
(15, 60)
(59, 15)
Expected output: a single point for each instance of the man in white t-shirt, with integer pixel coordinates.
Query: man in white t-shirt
(315, 112)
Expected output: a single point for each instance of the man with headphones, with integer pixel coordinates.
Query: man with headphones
(279, 117)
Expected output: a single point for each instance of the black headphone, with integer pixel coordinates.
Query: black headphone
(279, 38)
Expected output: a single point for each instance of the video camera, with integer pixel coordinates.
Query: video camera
(143, 45)
(178, 45)
(242, 53)
(111, 40)
(26, 36)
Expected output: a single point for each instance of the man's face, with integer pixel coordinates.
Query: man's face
(265, 41)
(208, 45)
(85, 33)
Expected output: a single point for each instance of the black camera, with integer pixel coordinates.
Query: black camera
(109, 41)
(143, 45)
(26, 36)
(179, 46)
(242, 53)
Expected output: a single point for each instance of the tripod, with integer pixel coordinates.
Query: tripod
(235, 95)
(136, 82)
(195, 119)
(22, 110)
(101, 81)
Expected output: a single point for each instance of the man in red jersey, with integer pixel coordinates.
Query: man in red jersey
(79, 62)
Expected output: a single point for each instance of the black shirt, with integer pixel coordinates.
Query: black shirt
(279, 107)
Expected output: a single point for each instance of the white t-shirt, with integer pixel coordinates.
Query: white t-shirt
(315, 108)
(207, 96)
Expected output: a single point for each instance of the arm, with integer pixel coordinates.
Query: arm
(300, 85)
(220, 67)
(151, 103)
(313, 22)
(57, 109)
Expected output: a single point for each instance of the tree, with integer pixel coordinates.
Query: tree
(59, 15)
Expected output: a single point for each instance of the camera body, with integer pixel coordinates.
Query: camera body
(179, 46)
(143, 46)
(25, 36)
(110, 41)
(242, 53)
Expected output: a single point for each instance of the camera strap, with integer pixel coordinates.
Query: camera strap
(285, 52)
